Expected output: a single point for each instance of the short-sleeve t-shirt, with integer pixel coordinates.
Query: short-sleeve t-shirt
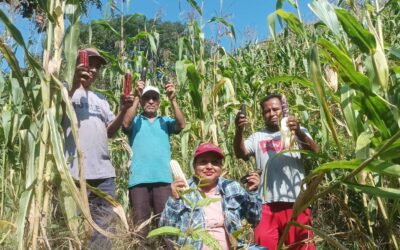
(151, 150)
(94, 115)
(283, 173)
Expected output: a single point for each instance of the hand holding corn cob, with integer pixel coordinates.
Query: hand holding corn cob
(180, 182)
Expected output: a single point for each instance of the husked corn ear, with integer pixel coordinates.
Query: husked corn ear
(285, 134)
(177, 171)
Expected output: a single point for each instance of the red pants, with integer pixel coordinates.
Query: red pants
(273, 221)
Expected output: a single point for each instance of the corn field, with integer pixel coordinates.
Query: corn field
(341, 75)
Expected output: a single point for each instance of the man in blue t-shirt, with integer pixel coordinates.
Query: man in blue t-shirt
(150, 175)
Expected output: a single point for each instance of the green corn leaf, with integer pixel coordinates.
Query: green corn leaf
(346, 102)
(381, 68)
(379, 114)
(180, 70)
(194, 84)
(390, 193)
(195, 6)
(163, 231)
(140, 35)
(395, 52)
(153, 44)
(224, 22)
(271, 25)
(28, 158)
(6, 117)
(11, 60)
(377, 166)
(316, 78)
(206, 201)
(107, 25)
(392, 152)
(13, 30)
(362, 145)
(293, 22)
(44, 5)
(289, 79)
(134, 16)
(279, 4)
(205, 236)
(345, 66)
(24, 202)
(356, 32)
(71, 40)
(326, 12)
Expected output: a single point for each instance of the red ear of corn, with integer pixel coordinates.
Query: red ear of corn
(127, 84)
(84, 58)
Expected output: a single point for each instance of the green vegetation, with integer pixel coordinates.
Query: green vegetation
(341, 76)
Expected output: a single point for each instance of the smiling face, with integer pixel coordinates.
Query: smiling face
(208, 167)
(272, 113)
(94, 67)
(150, 103)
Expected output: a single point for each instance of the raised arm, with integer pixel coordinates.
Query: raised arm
(238, 141)
(126, 104)
(131, 112)
(180, 120)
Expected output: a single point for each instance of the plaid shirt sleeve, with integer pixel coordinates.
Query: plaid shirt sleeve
(250, 203)
(251, 207)
(171, 214)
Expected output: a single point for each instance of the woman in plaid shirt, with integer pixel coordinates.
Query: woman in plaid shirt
(220, 218)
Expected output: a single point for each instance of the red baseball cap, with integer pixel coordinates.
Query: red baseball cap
(206, 148)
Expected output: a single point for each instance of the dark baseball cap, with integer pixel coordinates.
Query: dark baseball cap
(92, 52)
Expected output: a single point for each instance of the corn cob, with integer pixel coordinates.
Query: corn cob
(287, 137)
(127, 84)
(177, 171)
(84, 58)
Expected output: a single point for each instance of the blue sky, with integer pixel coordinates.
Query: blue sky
(249, 17)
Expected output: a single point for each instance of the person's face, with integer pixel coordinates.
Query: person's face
(208, 168)
(150, 103)
(272, 113)
(94, 67)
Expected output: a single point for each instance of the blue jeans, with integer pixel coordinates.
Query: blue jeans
(102, 212)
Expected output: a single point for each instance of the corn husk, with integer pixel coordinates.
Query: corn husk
(331, 78)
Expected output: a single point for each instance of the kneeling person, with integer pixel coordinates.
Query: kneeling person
(220, 218)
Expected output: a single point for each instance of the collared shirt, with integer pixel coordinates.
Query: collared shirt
(94, 115)
(237, 204)
(151, 150)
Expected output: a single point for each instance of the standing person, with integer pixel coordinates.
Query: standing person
(284, 174)
(220, 218)
(150, 174)
(96, 123)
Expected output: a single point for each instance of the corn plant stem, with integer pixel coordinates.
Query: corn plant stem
(365, 163)
(386, 221)
(45, 90)
(3, 180)
(379, 23)
(362, 180)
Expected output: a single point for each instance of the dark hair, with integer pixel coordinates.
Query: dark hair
(266, 98)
